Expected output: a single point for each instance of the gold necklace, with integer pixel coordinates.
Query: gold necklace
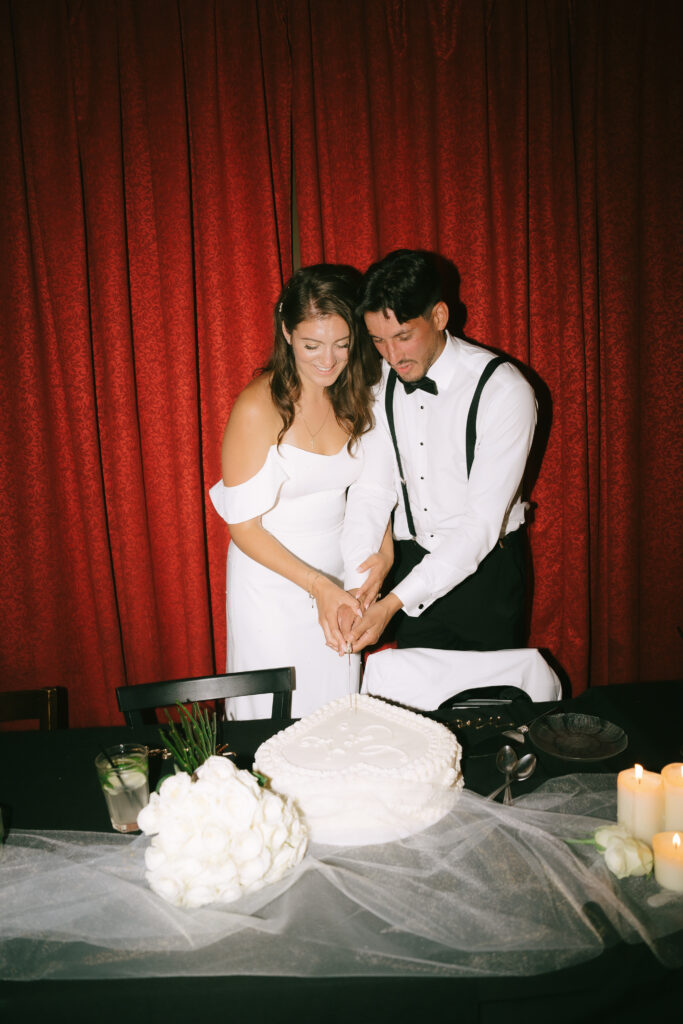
(311, 434)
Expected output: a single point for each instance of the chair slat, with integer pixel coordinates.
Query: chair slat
(48, 705)
(135, 700)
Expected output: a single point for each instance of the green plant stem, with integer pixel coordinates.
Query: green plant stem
(198, 740)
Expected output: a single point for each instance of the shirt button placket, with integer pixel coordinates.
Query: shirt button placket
(422, 459)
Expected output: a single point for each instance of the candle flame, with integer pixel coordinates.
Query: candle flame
(638, 769)
(682, 771)
(676, 840)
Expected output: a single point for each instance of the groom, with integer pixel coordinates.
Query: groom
(457, 421)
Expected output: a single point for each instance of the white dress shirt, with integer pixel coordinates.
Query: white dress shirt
(457, 520)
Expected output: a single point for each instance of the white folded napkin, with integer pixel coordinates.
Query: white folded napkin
(422, 678)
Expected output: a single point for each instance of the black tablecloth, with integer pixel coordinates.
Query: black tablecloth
(47, 781)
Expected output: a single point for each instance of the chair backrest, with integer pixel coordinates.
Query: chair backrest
(135, 700)
(49, 706)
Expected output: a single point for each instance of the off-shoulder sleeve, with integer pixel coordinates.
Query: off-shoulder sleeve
(255, 496)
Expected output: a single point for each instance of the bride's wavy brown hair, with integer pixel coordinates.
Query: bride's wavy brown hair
(318, 291)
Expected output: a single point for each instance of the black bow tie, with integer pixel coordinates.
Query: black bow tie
(424, 384)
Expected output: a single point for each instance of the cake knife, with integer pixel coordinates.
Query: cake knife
(520, 732)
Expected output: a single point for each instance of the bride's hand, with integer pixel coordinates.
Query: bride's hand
(330, 599)
(377, 566)
(347, 620)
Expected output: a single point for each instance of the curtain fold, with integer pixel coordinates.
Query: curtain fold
(146, 203)
(537, 146)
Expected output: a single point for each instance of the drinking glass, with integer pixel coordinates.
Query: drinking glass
(124, 776)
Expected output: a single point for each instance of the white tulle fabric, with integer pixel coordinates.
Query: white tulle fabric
(489, 890)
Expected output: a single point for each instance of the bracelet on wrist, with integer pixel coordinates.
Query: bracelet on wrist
(311, 584)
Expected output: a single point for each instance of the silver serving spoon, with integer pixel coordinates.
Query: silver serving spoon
(524, 769)
(506, 762)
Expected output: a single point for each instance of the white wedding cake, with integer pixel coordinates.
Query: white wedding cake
(364, 771)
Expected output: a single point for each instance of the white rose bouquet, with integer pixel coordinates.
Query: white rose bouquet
(219, 837)
(624, 855)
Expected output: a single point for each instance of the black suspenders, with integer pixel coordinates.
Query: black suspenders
(470, 429)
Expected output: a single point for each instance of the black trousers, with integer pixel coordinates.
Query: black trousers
(483, 613)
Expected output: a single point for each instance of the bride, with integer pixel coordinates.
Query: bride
(294, 443)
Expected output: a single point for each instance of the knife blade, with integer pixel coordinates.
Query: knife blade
(520, 732)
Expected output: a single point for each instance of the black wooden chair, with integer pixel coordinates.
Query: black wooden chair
(139, 703)
(48, 706)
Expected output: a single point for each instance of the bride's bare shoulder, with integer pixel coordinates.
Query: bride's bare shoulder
(251, 431)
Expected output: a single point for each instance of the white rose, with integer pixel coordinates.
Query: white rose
(248, 782)
(628, 857)
(154, 857)
(187, 868)
(238, 807)
(175, 788)
(298, 838)
(275, 810)
(272, 805)
(225, 880)
(283, 860)
(202, 804)
(219, 875)
(273, 835)
(252, 874)
(148, 818)
(168, 885)
(216, 769)
(246, 846)
(604, 835)
(229, 891)
(193, 848)
(199, 894)
(215, 842)
(174, 833)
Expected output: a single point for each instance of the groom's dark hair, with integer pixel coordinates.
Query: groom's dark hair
(406, 281)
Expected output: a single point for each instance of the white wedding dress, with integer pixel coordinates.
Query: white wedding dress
(301, 498)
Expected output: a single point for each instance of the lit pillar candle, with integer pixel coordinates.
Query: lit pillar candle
(640, 802)
(672, 777)
(668, 851)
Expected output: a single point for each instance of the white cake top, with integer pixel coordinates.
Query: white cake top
(354, 735)
(362, 770)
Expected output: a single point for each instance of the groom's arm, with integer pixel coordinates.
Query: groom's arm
(369, 504)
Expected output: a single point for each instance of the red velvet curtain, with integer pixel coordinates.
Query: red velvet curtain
(145, 203)
(537, 146)
(145, 228)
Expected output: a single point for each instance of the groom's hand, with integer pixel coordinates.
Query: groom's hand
(367, 630)
(346, 618)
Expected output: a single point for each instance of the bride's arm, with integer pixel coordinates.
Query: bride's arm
(250, 433)
(256, 542)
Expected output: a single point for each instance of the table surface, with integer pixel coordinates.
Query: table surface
(57, 788)
(47, 781)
